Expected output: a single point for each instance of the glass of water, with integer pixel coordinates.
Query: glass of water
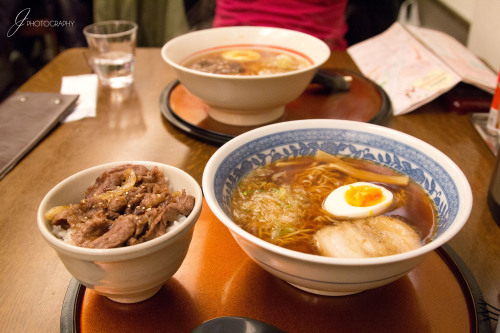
(112, 51)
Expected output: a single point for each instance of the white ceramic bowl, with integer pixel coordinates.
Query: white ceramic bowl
(245, 100)
(128, 274)
(434, 171)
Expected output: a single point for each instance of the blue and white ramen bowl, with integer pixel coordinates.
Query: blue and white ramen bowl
(438, 175)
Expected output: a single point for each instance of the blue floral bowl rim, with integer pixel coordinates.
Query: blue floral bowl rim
(460, 181)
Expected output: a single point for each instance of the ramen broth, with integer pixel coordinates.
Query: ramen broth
(282, 202)
(247, 61)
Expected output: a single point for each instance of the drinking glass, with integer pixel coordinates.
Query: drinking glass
(112, 51)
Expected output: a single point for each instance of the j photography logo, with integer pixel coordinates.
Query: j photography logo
(22, 20)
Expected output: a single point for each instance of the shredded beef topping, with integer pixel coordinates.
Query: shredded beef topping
(126, 205)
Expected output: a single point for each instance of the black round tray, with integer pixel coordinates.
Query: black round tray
(364, 101)
(480, 322)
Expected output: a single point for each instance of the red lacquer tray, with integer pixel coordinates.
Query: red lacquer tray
(218, 279)
(365, 101)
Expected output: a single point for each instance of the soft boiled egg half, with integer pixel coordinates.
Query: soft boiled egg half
(241, 55)
(358, 200)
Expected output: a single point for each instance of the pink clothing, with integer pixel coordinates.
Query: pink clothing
(324, 19)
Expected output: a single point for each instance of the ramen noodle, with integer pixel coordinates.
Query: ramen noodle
(310, 204)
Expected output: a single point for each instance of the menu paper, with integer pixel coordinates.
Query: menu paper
(415, 65)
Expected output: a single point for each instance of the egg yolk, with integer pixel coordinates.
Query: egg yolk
(363, 196)
(241, 55)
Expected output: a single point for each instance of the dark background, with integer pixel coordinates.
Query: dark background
(30, 48)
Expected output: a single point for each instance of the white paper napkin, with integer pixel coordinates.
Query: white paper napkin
(85, 86)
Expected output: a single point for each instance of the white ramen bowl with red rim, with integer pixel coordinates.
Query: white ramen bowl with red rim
(128, 274)
(444, 182)
(245, 100)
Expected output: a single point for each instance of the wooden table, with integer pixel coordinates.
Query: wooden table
(129, 126)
